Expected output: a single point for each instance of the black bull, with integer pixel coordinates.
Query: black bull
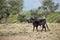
(38, 22)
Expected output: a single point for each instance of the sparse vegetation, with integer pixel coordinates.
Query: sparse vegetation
(25, 29)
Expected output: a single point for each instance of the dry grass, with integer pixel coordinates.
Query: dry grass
(23, 31)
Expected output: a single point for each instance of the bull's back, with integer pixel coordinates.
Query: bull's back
(42, 21)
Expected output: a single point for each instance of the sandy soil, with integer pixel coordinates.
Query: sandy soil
(24, 32)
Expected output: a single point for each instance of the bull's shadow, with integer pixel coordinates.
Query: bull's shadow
(38, 22)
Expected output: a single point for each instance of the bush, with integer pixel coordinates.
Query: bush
(21, 18)
(58, 19)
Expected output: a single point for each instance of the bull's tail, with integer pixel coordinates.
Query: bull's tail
(47, 27)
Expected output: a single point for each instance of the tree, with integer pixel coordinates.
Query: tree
(10, 6)
(34, 13)
(17, 6)
(42, 11)
(51, 6)
(3, 8)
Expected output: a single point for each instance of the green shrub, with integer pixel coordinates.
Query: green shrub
(58, 19)
(21, 18)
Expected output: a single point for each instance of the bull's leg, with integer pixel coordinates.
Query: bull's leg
(33, 28)
(47, 27)
(37, 28)
(43, 27)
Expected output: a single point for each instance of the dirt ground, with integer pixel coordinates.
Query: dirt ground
(23, 31)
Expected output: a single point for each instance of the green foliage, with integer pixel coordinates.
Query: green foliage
(51, 6)
(2, 7)
(21, 18)
(42, 11)
(52, 17)
(58, 19)
(16, 6)
(37, 12)
(13, 18)
(10, 6)
(34, 13)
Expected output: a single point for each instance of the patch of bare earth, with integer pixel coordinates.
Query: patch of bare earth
(23, 31)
